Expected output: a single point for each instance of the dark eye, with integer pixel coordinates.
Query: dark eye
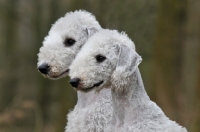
(69, 42)
(100, 58)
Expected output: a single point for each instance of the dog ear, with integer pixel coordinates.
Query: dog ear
(128, 62)
(91, 30)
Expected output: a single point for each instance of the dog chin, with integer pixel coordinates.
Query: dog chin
(99, 88)
(96, 86)
(56, 77)
(85, 90)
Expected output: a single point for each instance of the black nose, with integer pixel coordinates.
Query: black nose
(44, 68)
(74, 82)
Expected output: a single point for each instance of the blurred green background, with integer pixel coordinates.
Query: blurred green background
(166, 34)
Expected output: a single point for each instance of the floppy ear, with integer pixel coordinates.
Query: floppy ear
(128, 62)
(91, 30)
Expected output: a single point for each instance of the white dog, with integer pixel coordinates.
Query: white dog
(109, 59)
(64, 41)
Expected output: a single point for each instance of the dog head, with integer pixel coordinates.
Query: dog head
(108, 58)
(64, 40)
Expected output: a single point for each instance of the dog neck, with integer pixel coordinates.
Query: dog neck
(133, 97)
(85, 98)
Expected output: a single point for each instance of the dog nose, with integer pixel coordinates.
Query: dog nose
(44, 68)
(74, 82)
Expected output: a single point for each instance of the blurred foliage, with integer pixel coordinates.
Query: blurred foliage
(166, 34)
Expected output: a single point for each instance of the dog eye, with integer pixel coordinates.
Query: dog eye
(100, 58)
(69, 42)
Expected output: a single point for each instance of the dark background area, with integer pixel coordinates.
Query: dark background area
(166, 34)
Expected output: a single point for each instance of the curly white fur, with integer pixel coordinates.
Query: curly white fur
(133, 110)
(93, 114)
(93, 110)
(79, 26)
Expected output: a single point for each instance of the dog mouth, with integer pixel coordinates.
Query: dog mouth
(58, 76)
(90, 88)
